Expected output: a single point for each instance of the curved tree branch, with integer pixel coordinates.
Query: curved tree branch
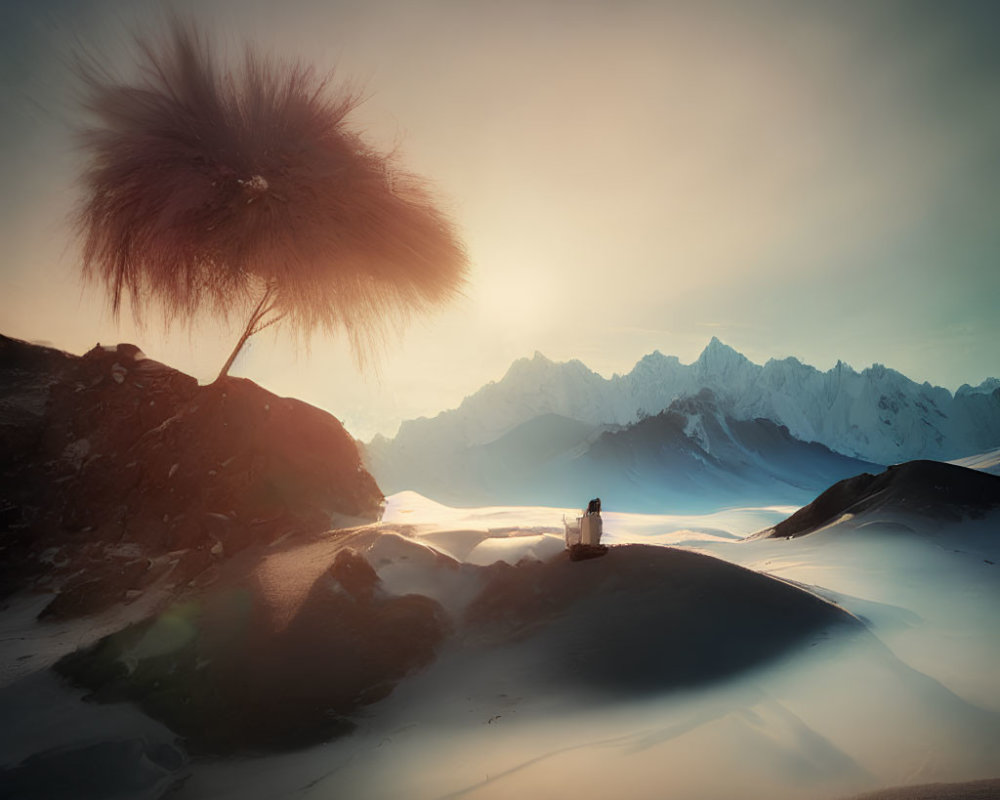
(254, 325)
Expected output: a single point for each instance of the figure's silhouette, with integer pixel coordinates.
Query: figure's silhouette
(583, 540)
(591, 524)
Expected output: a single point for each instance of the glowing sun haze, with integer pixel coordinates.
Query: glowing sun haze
(808, 179)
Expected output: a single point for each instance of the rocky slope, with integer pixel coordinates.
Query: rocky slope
(928, 489)
(119, 473)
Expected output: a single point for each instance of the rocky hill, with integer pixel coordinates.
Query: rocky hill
(118, 472)
(929, 489)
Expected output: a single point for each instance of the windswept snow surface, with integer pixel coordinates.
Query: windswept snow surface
(913, 698)
(987, 462)
(909, 694)
(430, 521)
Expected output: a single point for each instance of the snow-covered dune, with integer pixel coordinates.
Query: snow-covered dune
(250, 664)
(455, 652)
(563, 684)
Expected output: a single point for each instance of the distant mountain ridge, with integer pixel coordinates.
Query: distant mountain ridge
(667, 435)
(877, 414)
(691, 457)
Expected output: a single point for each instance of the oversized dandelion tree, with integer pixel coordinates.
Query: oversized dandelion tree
(242, 190)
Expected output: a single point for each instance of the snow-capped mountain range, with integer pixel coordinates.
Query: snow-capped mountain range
(877, 414)
(691, 457)
(671, 436)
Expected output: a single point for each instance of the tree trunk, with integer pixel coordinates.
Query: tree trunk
(261, 310)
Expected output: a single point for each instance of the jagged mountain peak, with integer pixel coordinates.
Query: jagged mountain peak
(652, 366)
(540, 364)
(536, 361)
(789, 364)
(716, 347)
(880, 372)
(656, 358)
(788, 361)
(843, 368)
(718, 357)
(787, 371)
(988, 386)
(878, 414)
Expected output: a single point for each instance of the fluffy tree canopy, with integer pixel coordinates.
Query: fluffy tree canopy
(226, 189)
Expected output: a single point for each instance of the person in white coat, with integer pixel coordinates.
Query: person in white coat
(591, 524)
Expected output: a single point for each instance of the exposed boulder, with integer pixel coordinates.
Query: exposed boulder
(221, 674)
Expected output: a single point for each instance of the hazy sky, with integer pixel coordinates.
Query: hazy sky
(811, 179)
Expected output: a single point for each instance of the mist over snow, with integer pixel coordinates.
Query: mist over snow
(908, 696)
(987, 462)
(618, 676)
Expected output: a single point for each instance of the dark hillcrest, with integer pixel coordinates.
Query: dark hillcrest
(927, 488)
(119, 472)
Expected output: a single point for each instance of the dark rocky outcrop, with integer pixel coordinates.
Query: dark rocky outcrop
(117, 471)
(217, 671)
(122, 768)
(930, 488)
